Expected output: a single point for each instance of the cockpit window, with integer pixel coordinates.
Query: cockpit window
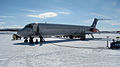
(29, 26)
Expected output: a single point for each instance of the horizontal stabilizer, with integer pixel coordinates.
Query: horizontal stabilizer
(95, 22)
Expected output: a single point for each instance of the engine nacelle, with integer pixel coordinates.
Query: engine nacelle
(94, 30)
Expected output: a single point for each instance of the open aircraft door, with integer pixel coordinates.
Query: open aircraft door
(35, 28)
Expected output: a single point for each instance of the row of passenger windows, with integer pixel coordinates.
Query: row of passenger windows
(51, 27)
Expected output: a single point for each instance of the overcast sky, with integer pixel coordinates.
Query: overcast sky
(76, 12)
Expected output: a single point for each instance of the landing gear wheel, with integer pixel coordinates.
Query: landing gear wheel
(26, 40)
(36, 42)
(71, 37)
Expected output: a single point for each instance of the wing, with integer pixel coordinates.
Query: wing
(104, 32)
(10, 29)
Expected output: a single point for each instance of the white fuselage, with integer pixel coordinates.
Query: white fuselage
(42, 29)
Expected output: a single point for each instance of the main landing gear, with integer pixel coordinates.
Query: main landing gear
(31, 40)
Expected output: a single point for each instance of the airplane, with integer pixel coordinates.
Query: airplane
(45, 29)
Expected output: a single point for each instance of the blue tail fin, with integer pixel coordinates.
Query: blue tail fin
(94, 23)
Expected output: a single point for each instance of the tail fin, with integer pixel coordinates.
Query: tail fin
(94, 23)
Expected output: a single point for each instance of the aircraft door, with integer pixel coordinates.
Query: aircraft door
(35, 28)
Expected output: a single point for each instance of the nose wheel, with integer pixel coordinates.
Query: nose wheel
(26, 40)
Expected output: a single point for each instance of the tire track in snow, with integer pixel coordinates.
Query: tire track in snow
(27, 57)
(24, 57)
(7, 61)
(28, 61)
(80, 47)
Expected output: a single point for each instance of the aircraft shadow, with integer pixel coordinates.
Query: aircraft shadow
(33, 44)
(47, 42)
(70, 40)
(60, 41)
(81, 47)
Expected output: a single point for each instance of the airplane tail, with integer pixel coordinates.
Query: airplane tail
(95, 22)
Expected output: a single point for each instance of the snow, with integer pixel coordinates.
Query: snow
(58, 52)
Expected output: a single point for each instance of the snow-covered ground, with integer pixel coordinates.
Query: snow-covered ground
(57, 52)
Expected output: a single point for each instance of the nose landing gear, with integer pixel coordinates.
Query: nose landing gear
(26, 40)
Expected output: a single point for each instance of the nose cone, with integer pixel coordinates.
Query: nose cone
(25, 32)
(20, 32)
